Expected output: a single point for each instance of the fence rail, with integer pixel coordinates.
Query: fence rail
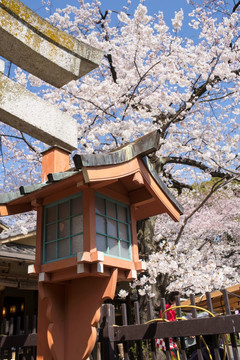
(193, 327)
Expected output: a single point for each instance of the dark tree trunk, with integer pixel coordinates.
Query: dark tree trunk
(147, 246)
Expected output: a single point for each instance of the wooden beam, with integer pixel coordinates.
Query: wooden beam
(3, 210)
(115, 195)
(140, 196)
(6, 210)
(138, 179)
(149, 209)
(102, 184)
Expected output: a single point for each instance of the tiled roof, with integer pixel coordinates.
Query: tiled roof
(17, 252)
(16, 231)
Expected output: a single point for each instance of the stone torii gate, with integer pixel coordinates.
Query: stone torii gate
(36, 46)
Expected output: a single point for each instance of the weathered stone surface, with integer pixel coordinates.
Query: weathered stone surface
(40, 48)
(27, 112)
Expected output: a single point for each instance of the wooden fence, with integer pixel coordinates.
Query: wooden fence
(135, 338)
(18, 338)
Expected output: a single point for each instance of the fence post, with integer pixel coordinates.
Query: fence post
(34, 331)
(152, 341)
(182, 341)
(138, 322)
(232, 335)
(214, 337)
(194, 315)
(11, 332)
(125, 322)
(166, 340)
(11, 326)
(18, 331)
(106, 335)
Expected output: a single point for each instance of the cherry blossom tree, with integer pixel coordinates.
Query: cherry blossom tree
(206, 255)
(153, 77)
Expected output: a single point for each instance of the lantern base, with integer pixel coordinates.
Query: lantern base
(69, 314)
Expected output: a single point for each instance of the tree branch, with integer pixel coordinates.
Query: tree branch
(215, 187)
(27, 142)
(92, 103)
(191, 162)
(177, 184)
(108, 56)
(236, 6)
(20, 138)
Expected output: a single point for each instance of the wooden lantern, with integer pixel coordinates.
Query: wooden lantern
(86, 237)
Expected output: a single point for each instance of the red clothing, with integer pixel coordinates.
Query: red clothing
(171, 314)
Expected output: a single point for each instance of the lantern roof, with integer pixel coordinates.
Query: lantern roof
(129, 166)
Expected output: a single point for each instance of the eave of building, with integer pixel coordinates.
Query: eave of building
(146, 193)
(30, 197)
(18, 252)
(17, 256)
(19, 238)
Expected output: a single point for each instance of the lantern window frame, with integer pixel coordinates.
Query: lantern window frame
(68, 219)
(111, 218)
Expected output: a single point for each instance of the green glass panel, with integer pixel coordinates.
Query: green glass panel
(51, 214)
(101, 242)
(77, 224)
(63, 210)
(124, 249)
(100, 224)
(123, 231)
(122, 213)
(63, 228)
(63, 248)
(111, 209)
(112, 227)
(50, 251)
(113, 247)
(100, 205)
(51, 232)
(77, 244)
(76, 205)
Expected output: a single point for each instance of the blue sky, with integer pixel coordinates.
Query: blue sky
(168, 7)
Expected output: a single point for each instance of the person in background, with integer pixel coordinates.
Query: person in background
(172, 298)
(171, 316)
